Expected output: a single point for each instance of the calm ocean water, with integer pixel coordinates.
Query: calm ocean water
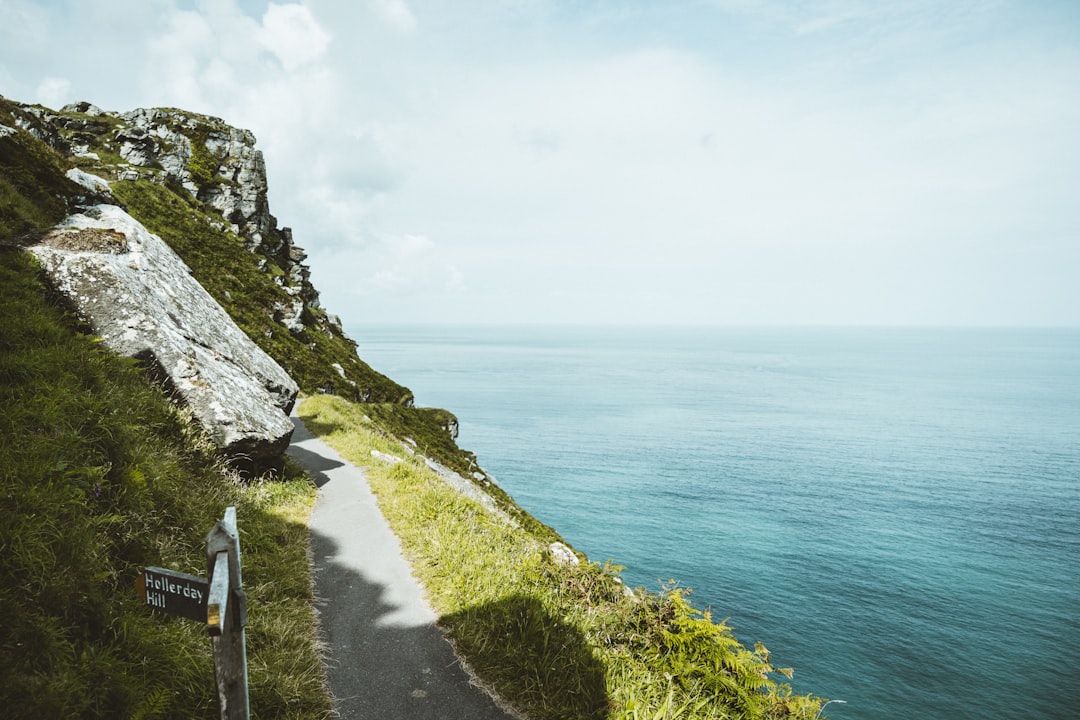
(894, 512)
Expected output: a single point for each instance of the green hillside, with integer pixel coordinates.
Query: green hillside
(101, 475)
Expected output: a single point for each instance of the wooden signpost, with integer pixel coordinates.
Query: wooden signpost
(226, 616)
(219, 602)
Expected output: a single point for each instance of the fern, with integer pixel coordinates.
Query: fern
(154, 705)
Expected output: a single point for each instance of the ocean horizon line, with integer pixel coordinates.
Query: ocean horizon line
(719, 326)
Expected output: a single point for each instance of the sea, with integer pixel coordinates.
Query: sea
(893, 512)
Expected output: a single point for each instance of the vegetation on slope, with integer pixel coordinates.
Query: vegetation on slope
(101, 476)
(34, 192)
(558, 641)
(427, 429)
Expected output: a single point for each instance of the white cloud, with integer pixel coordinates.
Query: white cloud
(815, 179)
(389, 272)
(216, 57)
(556, 154)
(270, 75)
(833, 15)
(176, 70)
(409, 264)
(53, 92)
(292, 34)
(395, 13)
(23, 24)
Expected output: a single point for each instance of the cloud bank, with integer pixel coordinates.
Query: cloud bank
(732, 161)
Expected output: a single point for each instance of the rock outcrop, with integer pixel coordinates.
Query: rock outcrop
(214, 162)
(201, 185)
(140, 297)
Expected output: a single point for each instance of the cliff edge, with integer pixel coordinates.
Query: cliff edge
(167, 249)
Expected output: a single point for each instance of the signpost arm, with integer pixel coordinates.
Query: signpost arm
(226, 611)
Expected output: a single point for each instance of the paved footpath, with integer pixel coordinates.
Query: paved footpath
(387, 659)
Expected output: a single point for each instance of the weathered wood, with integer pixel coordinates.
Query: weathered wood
(217, 604)
(226, 593)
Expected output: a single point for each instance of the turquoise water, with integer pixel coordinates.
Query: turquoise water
(894, 512)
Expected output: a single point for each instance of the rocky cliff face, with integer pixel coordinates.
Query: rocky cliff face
(201, 185)
(213, 162)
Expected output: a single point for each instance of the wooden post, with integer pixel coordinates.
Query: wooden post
(226, 616)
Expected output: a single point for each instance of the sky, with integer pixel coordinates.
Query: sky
(731, 162)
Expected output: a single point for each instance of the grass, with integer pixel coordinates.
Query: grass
(555, 640)
(202, 165)
(34, 191)
(428, 428)
(101, 476)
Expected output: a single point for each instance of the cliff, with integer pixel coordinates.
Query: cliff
(148, 235)
(102, 475)
(140, 219)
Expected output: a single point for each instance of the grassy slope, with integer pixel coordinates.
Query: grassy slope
(426, 427)
(558, 641)
(101, 476)
(33, 188)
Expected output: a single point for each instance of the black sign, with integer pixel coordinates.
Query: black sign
(174, 592)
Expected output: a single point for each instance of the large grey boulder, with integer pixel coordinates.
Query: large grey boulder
(142, 300)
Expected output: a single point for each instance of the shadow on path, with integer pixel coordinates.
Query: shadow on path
(316, 464)
(383, 664)
(544, 660)
(386, 658)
